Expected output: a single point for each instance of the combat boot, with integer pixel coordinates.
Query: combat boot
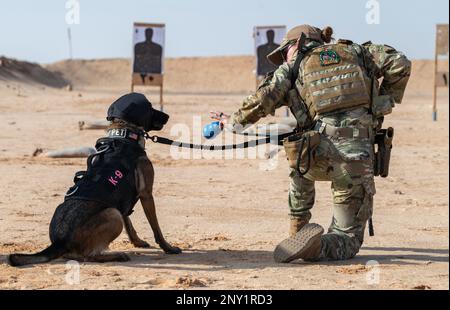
(306, 244)
(296, 224)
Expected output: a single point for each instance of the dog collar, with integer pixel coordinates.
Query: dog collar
(123, 133)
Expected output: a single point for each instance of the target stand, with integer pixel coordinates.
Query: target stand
(440, 77)
(149, 79)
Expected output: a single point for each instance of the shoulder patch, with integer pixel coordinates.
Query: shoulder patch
(329, 57)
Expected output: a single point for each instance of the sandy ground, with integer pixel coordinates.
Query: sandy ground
(227, 215)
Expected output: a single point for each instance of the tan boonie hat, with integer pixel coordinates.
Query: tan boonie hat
(312, 33)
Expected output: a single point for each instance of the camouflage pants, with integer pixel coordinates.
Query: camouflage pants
(352, 186)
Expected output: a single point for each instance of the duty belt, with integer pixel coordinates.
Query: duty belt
(345, 132)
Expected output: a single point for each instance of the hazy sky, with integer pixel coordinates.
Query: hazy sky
(37, 30)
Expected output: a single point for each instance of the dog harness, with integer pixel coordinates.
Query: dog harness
(110, 175)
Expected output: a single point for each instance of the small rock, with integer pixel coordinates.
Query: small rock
(187, 282)
(37, 151)
(81, 125)
(422, 287)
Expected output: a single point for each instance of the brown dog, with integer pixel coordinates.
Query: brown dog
(84, 225)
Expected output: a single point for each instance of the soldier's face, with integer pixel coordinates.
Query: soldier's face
(291, 52)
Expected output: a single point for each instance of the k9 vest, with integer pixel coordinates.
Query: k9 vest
(333, 79)
(110, 175)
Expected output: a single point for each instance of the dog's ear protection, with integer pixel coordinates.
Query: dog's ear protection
(157, 120)
(136, 109)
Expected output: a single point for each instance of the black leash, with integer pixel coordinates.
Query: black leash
(247, 144)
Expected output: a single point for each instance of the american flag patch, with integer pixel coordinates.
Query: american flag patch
(133, 136)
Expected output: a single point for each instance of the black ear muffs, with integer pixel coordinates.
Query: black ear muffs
(136, 109)
(157, 120)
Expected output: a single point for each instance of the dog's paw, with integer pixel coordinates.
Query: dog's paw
(172, 250)
(141, 244)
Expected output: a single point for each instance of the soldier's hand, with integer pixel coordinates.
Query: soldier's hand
(219, 116)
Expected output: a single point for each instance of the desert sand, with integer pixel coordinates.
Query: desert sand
(226, 215)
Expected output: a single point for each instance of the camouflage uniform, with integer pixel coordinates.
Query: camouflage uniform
(346, 162)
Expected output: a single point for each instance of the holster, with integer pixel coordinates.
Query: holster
(383, 147)
(300, 150)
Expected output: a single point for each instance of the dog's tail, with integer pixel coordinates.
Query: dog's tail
(52, 252)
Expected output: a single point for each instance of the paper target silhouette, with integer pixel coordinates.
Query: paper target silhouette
(148, 44)
(267, 39)
(148, 56)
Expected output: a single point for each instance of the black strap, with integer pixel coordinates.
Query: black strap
(102, 146)
(294, 76)
(305, 139)
(298, 60)
(371, 230)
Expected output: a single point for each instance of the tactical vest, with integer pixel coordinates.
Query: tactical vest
(110, 175)
(333, 79)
